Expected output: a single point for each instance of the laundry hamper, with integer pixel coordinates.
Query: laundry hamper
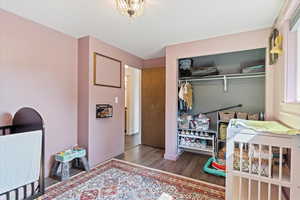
(262, 165)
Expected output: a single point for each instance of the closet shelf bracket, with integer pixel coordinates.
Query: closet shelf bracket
(225, 84)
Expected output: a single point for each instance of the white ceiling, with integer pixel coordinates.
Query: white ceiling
(164, 22)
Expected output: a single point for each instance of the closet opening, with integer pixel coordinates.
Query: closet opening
(132, 107)
(212, 90)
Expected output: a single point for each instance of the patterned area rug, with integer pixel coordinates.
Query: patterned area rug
(120, 180)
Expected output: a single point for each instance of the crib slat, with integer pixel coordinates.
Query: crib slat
(250, 158)
(17, 193)
(241, 155)
(249, 189)
(280, 164)
(32, 188)
(240, 188)
(279, 192)
(25, 191)
(269, 191)
(270, 161)
(259, 160)
(259, 190)
(8, 196)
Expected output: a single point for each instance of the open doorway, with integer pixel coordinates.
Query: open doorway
(132, 107)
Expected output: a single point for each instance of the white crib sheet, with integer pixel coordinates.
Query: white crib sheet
(20, 159)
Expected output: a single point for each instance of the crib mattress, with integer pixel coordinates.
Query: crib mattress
(265, 126)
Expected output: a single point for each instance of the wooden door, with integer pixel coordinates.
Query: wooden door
(153, 107)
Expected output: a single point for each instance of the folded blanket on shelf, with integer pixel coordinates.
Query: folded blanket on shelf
(253, 69)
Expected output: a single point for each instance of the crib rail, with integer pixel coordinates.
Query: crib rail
(261, 166)
(5, 130)
(25, 120)
(25, 192)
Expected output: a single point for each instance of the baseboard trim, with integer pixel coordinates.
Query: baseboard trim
(133, 133)
(171, 156)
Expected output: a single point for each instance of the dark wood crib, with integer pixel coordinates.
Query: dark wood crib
(25, 120)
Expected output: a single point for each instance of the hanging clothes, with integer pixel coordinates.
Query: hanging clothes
(181, 92)
(188, 95)
(181, 103)
(185, 97)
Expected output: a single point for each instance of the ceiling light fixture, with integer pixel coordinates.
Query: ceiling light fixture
(130, 8)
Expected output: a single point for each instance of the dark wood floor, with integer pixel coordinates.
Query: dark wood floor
(188, 164)
(51, 181)
(132, 141)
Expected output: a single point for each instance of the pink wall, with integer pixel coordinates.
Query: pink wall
(41, 71)
(38, 69)
(105, 137)
(228, 43)
(155, 62)
(83, 91)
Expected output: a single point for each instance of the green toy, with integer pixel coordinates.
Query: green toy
(70, 154)
(209, 169)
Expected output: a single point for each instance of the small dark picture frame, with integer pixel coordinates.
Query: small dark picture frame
(104, 111)
(107, 71)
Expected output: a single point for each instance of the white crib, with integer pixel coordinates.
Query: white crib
(262, 166)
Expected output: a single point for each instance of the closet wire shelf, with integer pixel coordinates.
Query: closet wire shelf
(207, 149)
(228, 76)
(224, 77)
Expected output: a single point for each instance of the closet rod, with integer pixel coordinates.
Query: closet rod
(256, 76)
(224, 77)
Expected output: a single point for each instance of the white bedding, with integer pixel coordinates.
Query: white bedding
(20, 156)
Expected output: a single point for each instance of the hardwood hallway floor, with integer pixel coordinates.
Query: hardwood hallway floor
(132, 141)
(189, 164)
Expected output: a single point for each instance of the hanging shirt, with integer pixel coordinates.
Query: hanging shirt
(188, 95)
(181, 92)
